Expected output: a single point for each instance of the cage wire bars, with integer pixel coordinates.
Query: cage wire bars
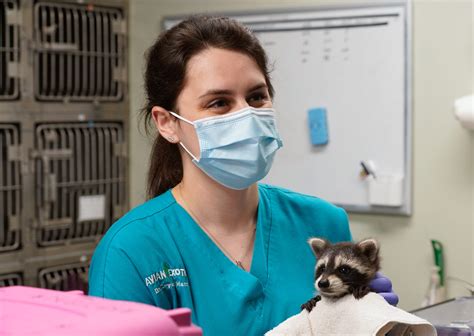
(63, 136)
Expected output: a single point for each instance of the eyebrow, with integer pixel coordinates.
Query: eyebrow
(229, 92)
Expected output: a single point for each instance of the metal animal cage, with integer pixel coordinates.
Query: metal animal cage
(63, 136)
(64, 277)
(10, 187)
(9, 50)
(14, 279)
(79, 52)
(78, 163)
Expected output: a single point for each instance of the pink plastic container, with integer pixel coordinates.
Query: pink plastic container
(37, 311)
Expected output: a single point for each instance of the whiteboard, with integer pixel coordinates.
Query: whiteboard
(354, 63)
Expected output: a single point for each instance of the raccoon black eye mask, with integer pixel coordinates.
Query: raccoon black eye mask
(343, 268)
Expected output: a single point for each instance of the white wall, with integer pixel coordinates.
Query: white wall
(443, 190)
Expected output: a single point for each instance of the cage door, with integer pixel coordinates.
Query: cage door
(80, 175)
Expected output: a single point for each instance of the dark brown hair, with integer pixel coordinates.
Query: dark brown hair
(165, 73)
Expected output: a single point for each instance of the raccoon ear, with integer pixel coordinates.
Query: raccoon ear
(370, 248)
(318, 245)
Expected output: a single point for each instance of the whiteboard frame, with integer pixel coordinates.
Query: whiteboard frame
(407, 207)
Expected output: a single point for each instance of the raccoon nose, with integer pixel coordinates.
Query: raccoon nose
(323, 283)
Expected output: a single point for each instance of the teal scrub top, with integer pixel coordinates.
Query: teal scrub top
(157, 254)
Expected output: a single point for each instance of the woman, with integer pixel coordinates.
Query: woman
(210, 238)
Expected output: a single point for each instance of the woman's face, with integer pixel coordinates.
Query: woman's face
(217, 82)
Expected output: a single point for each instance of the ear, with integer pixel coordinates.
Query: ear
(165, 123)
(318, 246)
(370, 248)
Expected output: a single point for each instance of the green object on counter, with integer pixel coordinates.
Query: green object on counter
(439, 260)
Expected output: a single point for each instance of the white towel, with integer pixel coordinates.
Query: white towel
(371, 315)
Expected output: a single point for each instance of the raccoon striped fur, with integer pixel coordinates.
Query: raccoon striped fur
(343, 268)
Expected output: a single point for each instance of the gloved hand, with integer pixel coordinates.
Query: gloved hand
(382, 285)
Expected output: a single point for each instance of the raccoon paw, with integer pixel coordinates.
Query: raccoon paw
(311, 303)
(360, 292)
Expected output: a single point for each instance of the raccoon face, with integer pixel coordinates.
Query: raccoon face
(344, 268)
(337, 276)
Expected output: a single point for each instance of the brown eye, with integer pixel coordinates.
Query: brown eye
(344, 269)
(257, 99)
(321, 269)
(218, 103)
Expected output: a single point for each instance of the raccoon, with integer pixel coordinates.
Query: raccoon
(343, 268)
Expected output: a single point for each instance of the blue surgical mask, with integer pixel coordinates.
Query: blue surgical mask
(236, 149)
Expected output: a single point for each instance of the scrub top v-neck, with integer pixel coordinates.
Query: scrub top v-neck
(157, 254)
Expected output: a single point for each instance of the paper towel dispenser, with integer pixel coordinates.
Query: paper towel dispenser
(464, 111)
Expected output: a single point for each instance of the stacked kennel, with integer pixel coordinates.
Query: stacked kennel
(63, 136)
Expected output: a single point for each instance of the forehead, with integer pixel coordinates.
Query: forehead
(215, 68)
(331, 253)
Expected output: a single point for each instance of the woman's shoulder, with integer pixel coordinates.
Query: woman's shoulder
(140, 220)
(292, 198)
(153, 207)
(134, 244)
(321, 217)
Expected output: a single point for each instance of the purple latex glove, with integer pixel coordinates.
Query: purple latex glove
(382, 285)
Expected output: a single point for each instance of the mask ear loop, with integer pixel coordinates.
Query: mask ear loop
(182, 145)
